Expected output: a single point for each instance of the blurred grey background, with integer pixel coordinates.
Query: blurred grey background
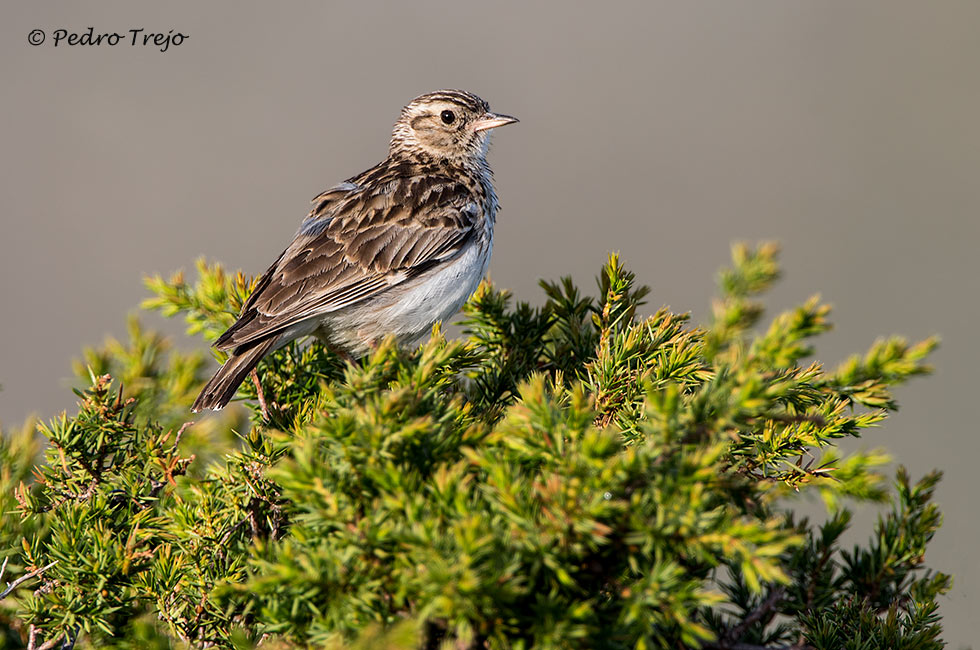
(665, 130)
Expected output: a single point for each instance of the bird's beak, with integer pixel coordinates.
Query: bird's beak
(492, 121)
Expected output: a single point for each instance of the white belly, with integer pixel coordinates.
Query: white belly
(408, 311)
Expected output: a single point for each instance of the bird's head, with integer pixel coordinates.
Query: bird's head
(446, 125)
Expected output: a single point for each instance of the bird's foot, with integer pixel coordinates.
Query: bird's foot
(342, 353)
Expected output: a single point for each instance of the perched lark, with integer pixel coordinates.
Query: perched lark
(387, 252)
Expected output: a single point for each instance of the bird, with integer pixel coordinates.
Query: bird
(388, 252)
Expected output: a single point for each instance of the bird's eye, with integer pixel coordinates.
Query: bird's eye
(448, 117)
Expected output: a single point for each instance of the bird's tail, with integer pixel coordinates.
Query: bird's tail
(223, 386)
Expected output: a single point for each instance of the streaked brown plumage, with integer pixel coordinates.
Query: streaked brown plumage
(390, 251)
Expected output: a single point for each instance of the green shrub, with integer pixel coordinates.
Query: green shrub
(566, 476)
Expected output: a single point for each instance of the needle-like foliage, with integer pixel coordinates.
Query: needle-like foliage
(572, 475)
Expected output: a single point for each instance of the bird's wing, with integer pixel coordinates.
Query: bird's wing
(356, 243)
